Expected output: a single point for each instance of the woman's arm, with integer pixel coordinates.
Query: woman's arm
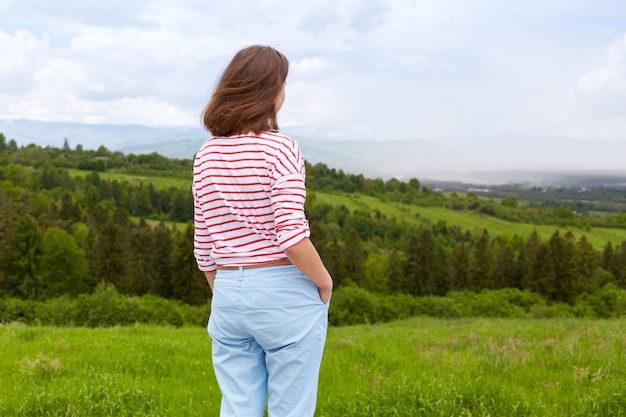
(305, 257)
(210, 278)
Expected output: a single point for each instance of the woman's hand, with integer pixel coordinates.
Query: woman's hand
(325, 294)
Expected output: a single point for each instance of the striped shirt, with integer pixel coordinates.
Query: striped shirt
(249, 197)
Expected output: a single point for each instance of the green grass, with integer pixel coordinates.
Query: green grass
(158, 182)
(417, 367)
(467, 220)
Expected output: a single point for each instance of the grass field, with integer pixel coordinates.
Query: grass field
(158, 182)
(417, 367)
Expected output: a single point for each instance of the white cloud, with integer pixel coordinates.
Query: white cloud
(593, 108)
(21, 54)
(603, 90)
(359, 68)
(308, 66)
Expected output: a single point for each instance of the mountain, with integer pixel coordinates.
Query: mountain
(480, 160)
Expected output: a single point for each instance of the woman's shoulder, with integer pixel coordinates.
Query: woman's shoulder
(280, 138)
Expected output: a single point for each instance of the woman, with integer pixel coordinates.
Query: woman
(269, 311)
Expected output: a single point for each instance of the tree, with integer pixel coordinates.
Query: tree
(162, 251)
(619, 265)
(354, 255)
(395, 272)
(24, 279)
(140, 204)
(423, 272)
(527, 260)
(334, 262)
(142, 273)
(63, 264)
(188, 282)
(541, 272)
(376, 273)
(562, 261)
(481, 264)
(509, 201)
(505, 268)
(91, 198)
(607, 256)
(586, 260)
(458, 268)
(182, 206)
(108, 254)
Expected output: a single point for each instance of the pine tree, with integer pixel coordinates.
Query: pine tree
(505, 268)
(142, 273)
(334, 262)
(619, 266)
(607, 256)
(188, 282)
(395, 272)
(423, 268)
(24, 279)
(481, 264)
(541, 272)
(562, 256)
(527, 260)
(108, 254)
(163, 250)
(459, 267)
(354, 256)
(67, 207)
(587, 277)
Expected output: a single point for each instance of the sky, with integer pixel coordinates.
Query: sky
(440, 70)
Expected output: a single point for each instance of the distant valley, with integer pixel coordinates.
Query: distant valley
(480, 161)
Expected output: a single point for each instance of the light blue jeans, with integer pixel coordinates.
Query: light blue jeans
(268, 327)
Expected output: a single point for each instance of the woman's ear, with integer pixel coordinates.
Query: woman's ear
(280, 99)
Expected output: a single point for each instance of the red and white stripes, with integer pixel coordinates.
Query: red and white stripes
(249, 197)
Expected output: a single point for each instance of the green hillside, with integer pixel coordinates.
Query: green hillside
(159, 182)
(468, 220)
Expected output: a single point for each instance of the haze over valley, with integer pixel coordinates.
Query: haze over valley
(492, 160)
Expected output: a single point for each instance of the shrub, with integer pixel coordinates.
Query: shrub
(15, 309)
(195, 315)
(157, 310)
(352, 305)
(485, 304)
(608, 301)
(108, 308)
(443, 307)
(59, 311)
(524, 299)
(543, 310)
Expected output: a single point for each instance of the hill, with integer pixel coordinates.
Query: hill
(110, 213)
(477, 160)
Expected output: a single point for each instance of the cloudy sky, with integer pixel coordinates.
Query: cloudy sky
(360, 69)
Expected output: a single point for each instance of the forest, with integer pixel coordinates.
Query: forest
(68, 225)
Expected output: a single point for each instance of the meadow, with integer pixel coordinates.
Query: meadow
(159, 182)
(417, 367)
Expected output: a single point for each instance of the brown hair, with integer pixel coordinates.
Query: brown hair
(245, 96)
